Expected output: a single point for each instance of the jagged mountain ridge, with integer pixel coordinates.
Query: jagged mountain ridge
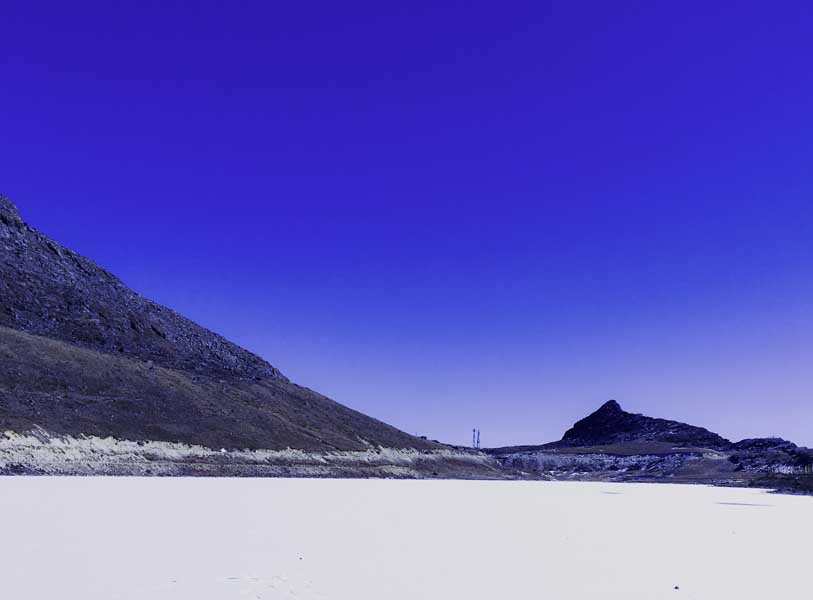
(82, 354)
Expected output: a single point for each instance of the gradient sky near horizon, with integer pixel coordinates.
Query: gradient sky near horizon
(446, 214)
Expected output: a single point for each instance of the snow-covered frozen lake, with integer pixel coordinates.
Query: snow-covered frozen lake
(223, 539)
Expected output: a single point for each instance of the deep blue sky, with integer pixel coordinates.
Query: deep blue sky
(446, 214)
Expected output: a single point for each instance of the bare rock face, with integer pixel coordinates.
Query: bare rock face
(8, 212)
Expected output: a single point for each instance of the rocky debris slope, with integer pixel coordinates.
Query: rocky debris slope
(617, 464)
(83, 355)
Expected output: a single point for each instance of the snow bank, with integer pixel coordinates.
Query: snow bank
(270, 539)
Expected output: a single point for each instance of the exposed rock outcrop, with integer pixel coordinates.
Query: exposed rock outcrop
(8, 211)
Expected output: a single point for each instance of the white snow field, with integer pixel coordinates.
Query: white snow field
(224, 539)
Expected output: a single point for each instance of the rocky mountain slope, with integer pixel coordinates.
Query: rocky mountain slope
(51, 291)
(82, 355)
(614, 445)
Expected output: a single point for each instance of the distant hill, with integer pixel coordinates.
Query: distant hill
(611, 424)
(614, 445)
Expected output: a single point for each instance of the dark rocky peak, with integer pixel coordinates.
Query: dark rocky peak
(762, 444)
(8, 212)
(611, 424)
(49, 290)
(609, 408)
